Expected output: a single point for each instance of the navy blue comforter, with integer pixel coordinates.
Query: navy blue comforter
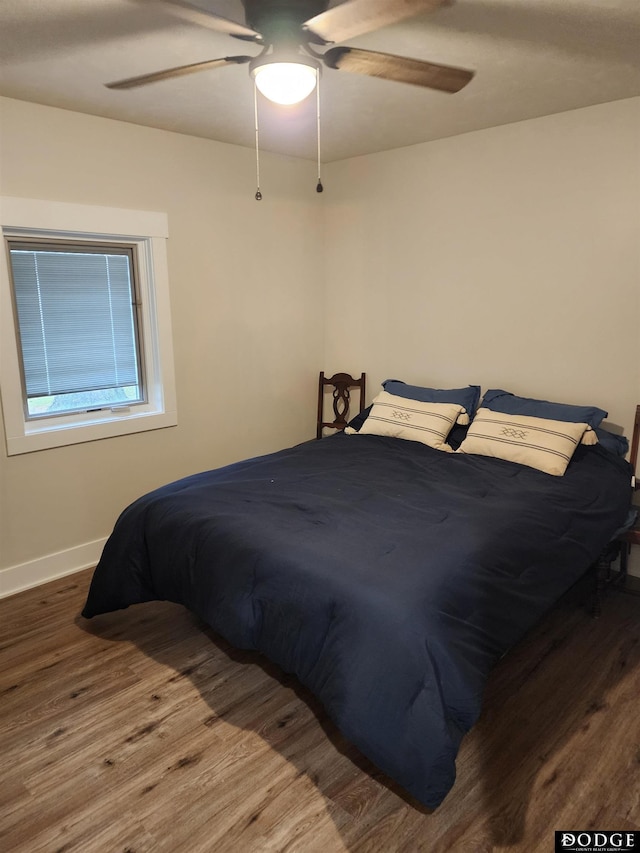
(387, 576)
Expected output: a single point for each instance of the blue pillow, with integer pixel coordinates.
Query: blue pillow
(617, 444)
(457, 436)
(509, 404)
(360, 418)
(466, 397)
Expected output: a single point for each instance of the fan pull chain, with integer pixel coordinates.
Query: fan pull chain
(319, 187)
(255, 112)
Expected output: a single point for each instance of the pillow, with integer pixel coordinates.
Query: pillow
(537, 442)
(457, 436)
(356, 422)
(398, 417)
(617, 444)
(465, 397)
(504, 401)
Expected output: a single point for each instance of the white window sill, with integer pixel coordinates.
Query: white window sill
(106, 427)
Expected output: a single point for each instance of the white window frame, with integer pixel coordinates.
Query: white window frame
(148, 232)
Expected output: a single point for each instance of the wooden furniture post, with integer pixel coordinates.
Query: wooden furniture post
(342, 384)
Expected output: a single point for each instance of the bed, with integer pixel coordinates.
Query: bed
(386, 575)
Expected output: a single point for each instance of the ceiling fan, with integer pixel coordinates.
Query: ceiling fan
(291, 31)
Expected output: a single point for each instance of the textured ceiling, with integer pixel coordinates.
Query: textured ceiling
(531, 58)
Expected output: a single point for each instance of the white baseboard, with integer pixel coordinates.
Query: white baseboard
(35, 572)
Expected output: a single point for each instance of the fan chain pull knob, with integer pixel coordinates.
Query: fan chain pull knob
(319, 188)
(258, 196)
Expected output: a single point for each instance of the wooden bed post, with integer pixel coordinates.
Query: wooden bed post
(621, 545)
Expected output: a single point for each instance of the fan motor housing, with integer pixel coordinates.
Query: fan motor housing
(278, 19)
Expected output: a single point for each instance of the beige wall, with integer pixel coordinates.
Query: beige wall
(507, 258)
(245, 281)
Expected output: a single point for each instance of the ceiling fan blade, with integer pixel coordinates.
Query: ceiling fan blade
(195, 15)
(356, 17)
(399, 68)
(179, 71)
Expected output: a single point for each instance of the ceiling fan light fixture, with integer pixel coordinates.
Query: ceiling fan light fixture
(287, 81)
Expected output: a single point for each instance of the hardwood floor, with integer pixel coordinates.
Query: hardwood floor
(141, 731)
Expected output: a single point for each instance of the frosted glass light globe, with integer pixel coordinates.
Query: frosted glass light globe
(285, 82)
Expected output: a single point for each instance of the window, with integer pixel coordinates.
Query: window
(77, 326)
(86, 342)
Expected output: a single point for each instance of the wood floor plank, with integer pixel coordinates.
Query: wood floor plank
(142, 731)
(81, 833)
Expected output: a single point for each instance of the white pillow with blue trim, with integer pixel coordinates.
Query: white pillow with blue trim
(400, 417)
(536, 442)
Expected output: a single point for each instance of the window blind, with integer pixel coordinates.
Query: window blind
(76, 318)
